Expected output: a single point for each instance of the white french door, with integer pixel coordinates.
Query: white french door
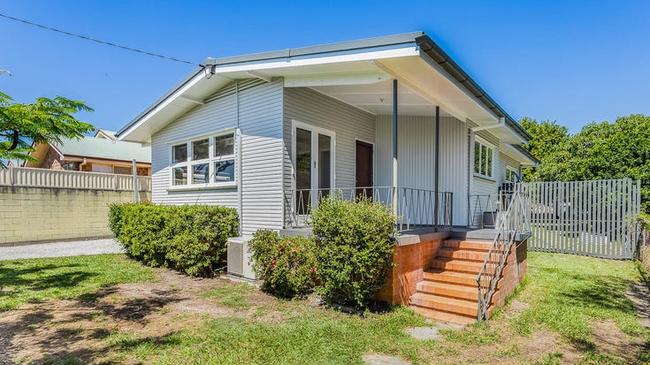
(313, 165)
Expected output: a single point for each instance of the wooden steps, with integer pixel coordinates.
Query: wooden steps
(449, 276)
(443, 316)
(445, 304)
(467, 266)
(448, 291)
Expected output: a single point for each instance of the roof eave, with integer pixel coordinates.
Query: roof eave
(420, 39)
(527, 153)
(180, 85)
(436, 53)
(383, 41)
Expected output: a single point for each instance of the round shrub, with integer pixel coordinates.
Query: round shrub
(138, 227)
(189, 238)
(354, 248)
(286, 265)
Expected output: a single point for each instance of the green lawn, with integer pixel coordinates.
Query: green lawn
(567, 293)
(24, 281)
(564, 299)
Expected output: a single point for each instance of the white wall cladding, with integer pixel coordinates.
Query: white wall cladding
(349, 123)
(453, 166)
(416, 156)
(479, 185)
(505, 161)
(260, 115)
(482, 186)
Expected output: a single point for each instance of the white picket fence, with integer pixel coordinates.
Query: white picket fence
(64, 179)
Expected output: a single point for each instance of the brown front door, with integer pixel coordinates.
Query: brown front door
(364, 169)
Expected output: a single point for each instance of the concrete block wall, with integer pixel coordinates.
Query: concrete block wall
(30, 214)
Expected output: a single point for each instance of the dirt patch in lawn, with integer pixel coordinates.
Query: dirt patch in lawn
(80, 328)
(515, 350)
(609, 339)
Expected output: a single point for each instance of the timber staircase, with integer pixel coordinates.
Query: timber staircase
(448, 290)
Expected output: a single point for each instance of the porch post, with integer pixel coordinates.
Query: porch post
(436, 208)
(394, 134)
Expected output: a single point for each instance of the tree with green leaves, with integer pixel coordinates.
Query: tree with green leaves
(549, 144)
(46, 120)
(599, 151)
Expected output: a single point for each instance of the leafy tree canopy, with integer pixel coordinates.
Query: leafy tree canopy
(599, 151)
(45, 120)
(550, 145)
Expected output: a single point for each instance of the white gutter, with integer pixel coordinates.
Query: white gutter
(340, 57)
(517, 155)
(500, 124)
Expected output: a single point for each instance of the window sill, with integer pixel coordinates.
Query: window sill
(202, 187)
(486, 178)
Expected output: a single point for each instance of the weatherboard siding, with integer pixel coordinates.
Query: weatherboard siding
(481, 185)
(416, 157)
(347, 122)
(260, 117)
(505, 161)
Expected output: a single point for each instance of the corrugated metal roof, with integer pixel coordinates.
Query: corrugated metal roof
(105, 148)
(382, 41)
(419, 38)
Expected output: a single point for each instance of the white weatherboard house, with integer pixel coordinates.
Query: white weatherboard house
(392, 118)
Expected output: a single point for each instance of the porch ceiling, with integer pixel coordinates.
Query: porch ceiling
(377, 98)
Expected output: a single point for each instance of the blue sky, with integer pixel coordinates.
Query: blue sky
(570, 61)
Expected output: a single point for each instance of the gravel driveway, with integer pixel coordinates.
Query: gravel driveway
(59, 249)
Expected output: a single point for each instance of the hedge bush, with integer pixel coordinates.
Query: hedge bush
(286, 265)
(354, 248)
(188, 238)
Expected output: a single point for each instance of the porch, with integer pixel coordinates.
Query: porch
(386, 140)
(417, 210)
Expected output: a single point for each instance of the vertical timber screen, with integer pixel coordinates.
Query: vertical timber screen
(592, 218)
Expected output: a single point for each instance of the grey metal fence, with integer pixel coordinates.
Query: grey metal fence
(415, 207)
(592, 218)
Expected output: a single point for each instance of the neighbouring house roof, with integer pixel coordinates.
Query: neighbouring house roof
(105, 133)
(13, 162)
(105, 149)
(411, 57)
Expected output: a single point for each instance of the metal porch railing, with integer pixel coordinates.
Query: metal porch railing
(512, 220)
(415, 207)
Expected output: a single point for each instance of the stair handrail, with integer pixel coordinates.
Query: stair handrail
(508, 226)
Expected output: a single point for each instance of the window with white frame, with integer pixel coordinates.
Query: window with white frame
(511, 174)
(483, 159)
(204, 161)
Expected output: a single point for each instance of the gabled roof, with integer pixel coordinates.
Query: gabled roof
(105, 149)
(105, 133)
(377, 57)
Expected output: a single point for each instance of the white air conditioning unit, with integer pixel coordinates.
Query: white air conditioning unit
(240, 262)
